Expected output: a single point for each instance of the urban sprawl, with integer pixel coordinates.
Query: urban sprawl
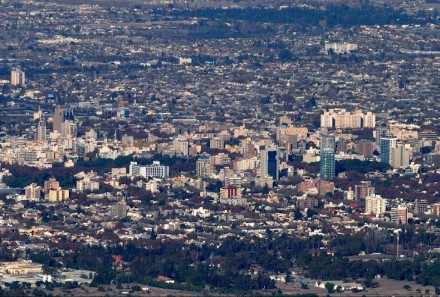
(219, 147)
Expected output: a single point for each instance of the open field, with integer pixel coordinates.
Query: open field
(386, 287)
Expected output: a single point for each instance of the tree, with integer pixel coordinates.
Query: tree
(288, 277)
(425, 150)
(265, 190)
(330, 287)
(311, 213)
(285, 55)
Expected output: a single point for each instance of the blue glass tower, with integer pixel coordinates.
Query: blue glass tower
(269, 163)
(327, 156)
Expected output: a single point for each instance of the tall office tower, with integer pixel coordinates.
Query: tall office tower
(327, 157)
(58, 119)
(18, 77)
(270, 163)
(42, 133)
(204, 167)
(61, 115)
(387, 144)
(363, 190)
(375, 205)
(421, 206)
(400, 156)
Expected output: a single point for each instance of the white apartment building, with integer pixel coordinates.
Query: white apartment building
(343, 119)
(375, 205)
(18, 77)
(154, 170)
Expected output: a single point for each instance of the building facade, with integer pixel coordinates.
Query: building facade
(269, 163)
(42, 131)
(204, 167)
(375, 205)
(33, 192)
(364, 190)
(401, 156)
(18, 77)
(327, 157)
(387, 144)
(61, 116)
(343, 119)
(399, 215)
(421, 206)
(153, 170)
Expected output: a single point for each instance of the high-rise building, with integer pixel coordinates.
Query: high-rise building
(42, 132)
(204, 167)
(270, 163)
(154, 170)
(58, 120)
(363, 190)
(217, 143)
(87, 184)
(421, 206)
(18, 77)
(343, 119)
(375, 205)
(387, 144)
(231, 191)
(349, 195)
(33, 192)
(382, 130)
(69, 129)
(60, 117)
(181, 146)
(327, 156)
(399, 215)
(247, 148)
(58, 195)
(400, 156)
(51, 184)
